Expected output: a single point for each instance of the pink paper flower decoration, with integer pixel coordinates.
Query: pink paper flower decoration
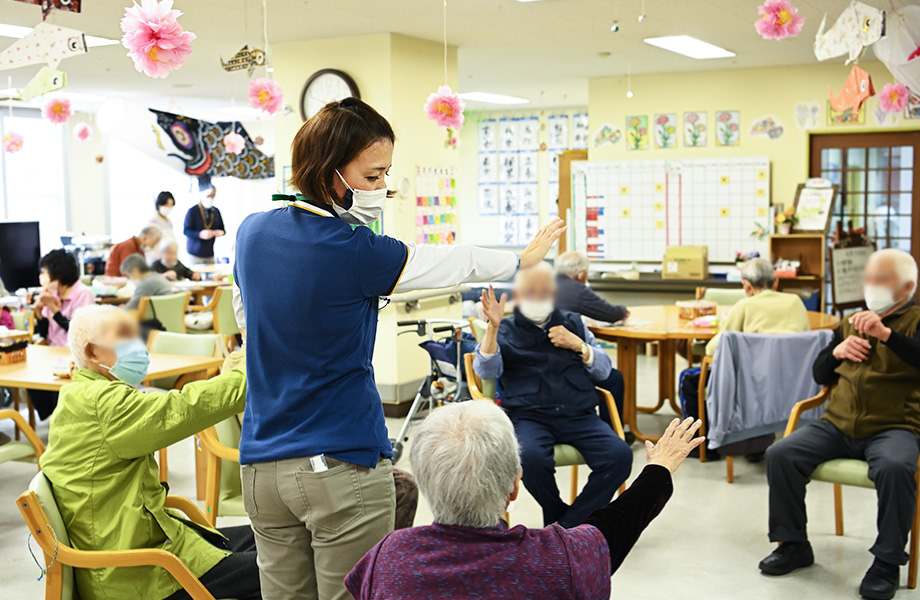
(82, 132)
(445, 108)
(234, 142)
(154, 38)
(779, 19)
(57, 110)
(12, 142)
(894, 97)
(265, 94)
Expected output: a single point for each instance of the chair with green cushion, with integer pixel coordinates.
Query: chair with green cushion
(169, 310)
(847, 471)
(24, 320)
(29, 451)
(224, 490)
(221, 307)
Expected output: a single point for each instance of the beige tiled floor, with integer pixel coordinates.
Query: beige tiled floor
(705, 545)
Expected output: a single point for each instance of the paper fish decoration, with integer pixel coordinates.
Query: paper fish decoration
(46, 80)
(856, 89)
(46, 43)
(247, 58)
(47, 5)
(900, 48)
(858, 26)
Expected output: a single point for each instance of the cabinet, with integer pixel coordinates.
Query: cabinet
(810, 250)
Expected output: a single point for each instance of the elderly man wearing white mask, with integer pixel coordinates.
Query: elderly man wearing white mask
(873, 415)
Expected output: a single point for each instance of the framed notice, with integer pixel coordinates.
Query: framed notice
(814, 207)
(847, 267)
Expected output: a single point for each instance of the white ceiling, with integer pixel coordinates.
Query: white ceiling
(544, 51)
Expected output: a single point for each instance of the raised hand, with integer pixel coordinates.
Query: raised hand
(540, 244)
(854, 348)
(675, 444)
(493, 309)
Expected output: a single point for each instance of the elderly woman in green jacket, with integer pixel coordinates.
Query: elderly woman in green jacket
(104, 477)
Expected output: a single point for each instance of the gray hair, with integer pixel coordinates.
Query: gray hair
(465, 459)
(86, 328)
(571, 264)
(135, 261)
(904, 264)
(541, 268)
(758, 272)
(152, 231)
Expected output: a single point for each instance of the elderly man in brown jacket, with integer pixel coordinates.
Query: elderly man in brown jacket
(873, 415)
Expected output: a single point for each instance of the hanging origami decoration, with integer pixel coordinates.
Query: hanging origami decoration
(893, 97)
(858, 26)
(446, 109)
(856, 89)
(154, 38)
(47, 5)
(12, 142)
(46, 80)
(779, 19)
(46, 43)
(57, 110)
(82, 132)
(900, 48)
(247, 58)
(234, 143)
(202, 150)
(266, 94)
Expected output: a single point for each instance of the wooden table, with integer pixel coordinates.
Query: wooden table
(664, 325)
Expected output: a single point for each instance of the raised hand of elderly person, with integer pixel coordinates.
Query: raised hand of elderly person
(493, 309)
(870, 323)
(675, 444)
(540, 244)
(854, 348)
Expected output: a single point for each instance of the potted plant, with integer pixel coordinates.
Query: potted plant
(785, 221)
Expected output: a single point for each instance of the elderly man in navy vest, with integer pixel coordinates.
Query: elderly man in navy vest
(547, 363)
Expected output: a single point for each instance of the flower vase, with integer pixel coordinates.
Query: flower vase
(784, 228)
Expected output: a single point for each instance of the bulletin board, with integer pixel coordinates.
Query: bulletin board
(633, 210)
(435, 205)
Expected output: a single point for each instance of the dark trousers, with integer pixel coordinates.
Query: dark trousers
(237, 576)
(892, 457)
(44, 402)
(608, 457)
(614, 385)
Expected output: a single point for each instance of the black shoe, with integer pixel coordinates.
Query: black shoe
(630, 438)
(788, 557)
(755, 458)
(881, 581)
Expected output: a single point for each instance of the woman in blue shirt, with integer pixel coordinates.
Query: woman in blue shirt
(317, 475)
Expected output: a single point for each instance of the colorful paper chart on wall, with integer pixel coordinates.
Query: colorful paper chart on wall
(436, 205)
(633, 210)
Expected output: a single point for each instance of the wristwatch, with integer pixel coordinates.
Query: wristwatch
(584, 349)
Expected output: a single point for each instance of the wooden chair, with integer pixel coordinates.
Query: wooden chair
(223, 490)
(170, 310)
(24, 320)
(848, 471)
(32, 449)
(41, 514)
(722, 297)
(564, 454)
(221, 307)
(705, 366)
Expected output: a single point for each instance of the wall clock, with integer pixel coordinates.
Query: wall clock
(323, 87)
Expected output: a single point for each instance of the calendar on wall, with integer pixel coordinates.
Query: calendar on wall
(435, 205)
(633, 210)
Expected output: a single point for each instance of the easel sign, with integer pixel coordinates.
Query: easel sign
(847, 268)
(814, 207)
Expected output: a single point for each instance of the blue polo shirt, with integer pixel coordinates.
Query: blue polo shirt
(310, 286)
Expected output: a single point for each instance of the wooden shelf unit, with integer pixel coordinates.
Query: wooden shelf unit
(810, 249)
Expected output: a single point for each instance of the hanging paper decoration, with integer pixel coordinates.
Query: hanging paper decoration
(856, 89)
(234, 142)
(57, 110)
(46, 80)
(446, 109)
(858, 26)
(247, 58)
(47, 5)
(779, 19)
(46, 43)
(12, 142)
(265, 94)
(82, 132)
(154, 38)
(894, 97)
(900, 48)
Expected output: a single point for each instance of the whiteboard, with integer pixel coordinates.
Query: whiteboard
(633, 210)
(847, 266)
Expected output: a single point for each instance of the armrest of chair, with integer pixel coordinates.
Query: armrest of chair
(607, 397)
(190, 509)
(30, 434)
(804, 405)
(209, 440)
(705, 366)
(472, 379)
(211, 305)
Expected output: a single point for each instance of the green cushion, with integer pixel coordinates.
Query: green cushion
(182, 344)
(845, 471)
(17, 451)
(724, 296)
(170, 310)
(230, 497)
(42, 489)
(566, 456)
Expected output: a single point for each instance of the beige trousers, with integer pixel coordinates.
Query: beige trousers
(311, 528)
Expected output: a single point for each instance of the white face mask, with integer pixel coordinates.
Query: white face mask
(207, 201)
(879, 299)
(366, 205)
(165, 210)
(536, 311)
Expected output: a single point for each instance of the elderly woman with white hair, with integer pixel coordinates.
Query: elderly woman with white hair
(466, 460)
(100, 463)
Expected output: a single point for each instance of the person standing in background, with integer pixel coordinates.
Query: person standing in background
(203, 224)
(165, 203)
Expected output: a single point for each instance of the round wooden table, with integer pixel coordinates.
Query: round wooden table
(664, 325)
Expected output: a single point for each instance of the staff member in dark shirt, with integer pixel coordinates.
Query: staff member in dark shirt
(873, 415)
(573, 294)
(203, 224)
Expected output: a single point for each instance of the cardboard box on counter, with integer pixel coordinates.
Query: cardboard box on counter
(685, 262)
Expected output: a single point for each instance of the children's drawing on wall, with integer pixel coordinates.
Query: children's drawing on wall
(488, 168)
(527, 228)
(606, 135)
(509, 199)
(527, 133)
(769, 126)
(527, 167)
(848, 117)
(807, 114)
(527, 199)
(508, 135)
(666, 130)
(912, 111)
(637, 133)
(728, 128)
(885, 117)
(580, 131)
(487, 136)
(508, 231)
(552, 167)
(488, 200)
(508, 167)
(558, 132)
(694, 129)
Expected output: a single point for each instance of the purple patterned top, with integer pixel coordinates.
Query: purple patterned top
(446, 561)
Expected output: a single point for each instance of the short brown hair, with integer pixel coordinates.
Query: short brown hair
(331, 139)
